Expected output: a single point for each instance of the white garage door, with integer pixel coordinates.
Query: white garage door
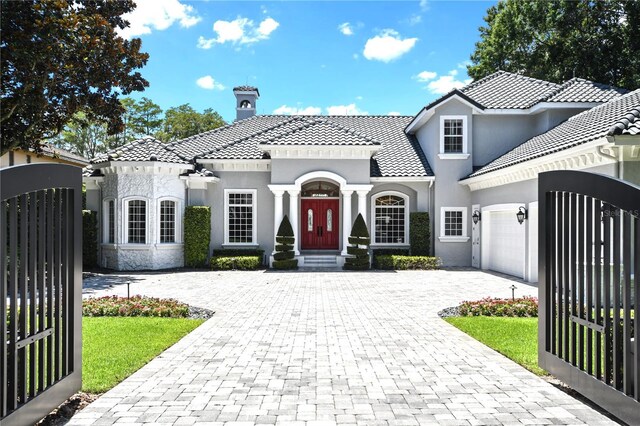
(505, 243)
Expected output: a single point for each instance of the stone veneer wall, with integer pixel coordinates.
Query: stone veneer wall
(150, 186)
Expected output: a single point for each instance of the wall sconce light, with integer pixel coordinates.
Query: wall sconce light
(521, 215)
(476, 217)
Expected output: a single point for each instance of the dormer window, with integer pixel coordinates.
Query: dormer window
(245, 104)
(453, 137)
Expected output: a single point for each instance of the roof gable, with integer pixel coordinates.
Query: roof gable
(144, 149)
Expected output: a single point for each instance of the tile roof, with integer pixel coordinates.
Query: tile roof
(399, 156)
(144, 149)
(618, 115)
(246, 89)
(580, 90)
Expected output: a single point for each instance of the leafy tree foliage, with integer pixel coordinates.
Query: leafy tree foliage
(183, 121)
(557, 40)
(59, 57)
(82, 136)
(145, 117)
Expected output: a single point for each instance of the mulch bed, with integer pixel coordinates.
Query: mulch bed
(61, 415)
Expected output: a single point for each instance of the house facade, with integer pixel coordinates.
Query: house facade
(475, 150)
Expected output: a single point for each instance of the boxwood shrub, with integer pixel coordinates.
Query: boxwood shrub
(89, 239)
(197, 235)
(419, 233)
(359, 248)
(243, 263)
(283, 258)
(375, 253)
(407, 262)
(238, 252)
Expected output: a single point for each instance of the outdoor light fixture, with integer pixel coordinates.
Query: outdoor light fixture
(476, 217)
(521, 215)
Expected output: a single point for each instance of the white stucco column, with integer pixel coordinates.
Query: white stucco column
(362, 204)
(346, 219)
(277, 212)
(293, 217)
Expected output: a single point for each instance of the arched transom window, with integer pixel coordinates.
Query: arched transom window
(320, 189)
(390, 216)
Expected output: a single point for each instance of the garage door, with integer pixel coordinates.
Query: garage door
(504, 243)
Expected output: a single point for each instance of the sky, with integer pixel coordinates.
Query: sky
(306, 57)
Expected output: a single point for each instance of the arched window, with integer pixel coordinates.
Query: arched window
(391, 221)
(320, 189)
(245, 104)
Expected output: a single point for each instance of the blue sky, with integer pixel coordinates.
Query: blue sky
(306, 57)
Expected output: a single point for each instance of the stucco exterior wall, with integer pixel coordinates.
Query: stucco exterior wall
(494, 135)
(284, 171)
(152, 187)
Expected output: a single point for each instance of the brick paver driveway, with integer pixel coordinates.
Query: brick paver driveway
(325, 348)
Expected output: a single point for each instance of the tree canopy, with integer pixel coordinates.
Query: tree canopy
(557, 40)
(59, 57)
(183, 121)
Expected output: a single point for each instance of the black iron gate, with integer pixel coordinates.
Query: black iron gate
(589, 258)
(41, 285)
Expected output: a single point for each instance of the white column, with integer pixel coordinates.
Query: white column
(293, 217)
(277, 212)
(362, 204)
(346, 220)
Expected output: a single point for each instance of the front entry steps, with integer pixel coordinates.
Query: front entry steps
(320, 261)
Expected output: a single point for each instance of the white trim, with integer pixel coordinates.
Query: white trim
(236, 165)
(141, 167)
(454, 238)
(404, 179)
(465, 134)
(321, 151)
(580, 157)
(177, 226)
(198, 182)
(92, 182)
(372, 226)
(124, 211)
(254, 215)
(105, 221)
(425, 114)
(453, 156)
(502, 207)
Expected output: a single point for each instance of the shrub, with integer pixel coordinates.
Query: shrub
(283, 258)
(407, 262)
(197, 235)
(359, 248)
(136, 306)
(526, 306)
(89, 239)
(376, 253)
(243, 263)
(238, 252)
(419, 233)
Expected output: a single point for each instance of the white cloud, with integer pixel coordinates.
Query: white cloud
(158, 15)
(287, 110)
(346, 29)
(415, 19)
(350, 109)
(387, 46)
(239, 31)
(207, 82)
(425, 76)
(393, 113)
(424, 5)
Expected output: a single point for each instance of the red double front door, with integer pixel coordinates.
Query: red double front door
(320, 225)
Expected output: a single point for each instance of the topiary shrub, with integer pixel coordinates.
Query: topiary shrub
(89, 239)
(197, 235)
(359, 246)
(239, 263)
(283, 258)
(419, 233)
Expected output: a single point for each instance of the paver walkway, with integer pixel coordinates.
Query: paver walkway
(326, 348)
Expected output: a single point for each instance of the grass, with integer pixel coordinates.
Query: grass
(515, 338)
(115, 347)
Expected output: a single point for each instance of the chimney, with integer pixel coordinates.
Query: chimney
(246, 97)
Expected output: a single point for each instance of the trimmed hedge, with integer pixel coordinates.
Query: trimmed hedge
(375, 253)
(237, 252)
(419, 233)
(89, 239)
(136, 306)
(359, 240)
(197, 235)
(407, 262)
(526, 306)
(242, 263)
(283, 258)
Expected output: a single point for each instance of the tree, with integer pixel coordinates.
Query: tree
(83, 137)
(557, 40)
(358, 246)
(145, 117)
(284, 257)
(183, 121)
(59, 57)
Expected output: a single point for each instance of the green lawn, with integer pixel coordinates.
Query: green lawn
(515, 338)
(115, 347)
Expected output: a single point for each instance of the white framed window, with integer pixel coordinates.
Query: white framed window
(453, 137)
(453, 224)
(109, 221)
(169, 218)
(390, 213)
(240, 216)
(136, 217)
